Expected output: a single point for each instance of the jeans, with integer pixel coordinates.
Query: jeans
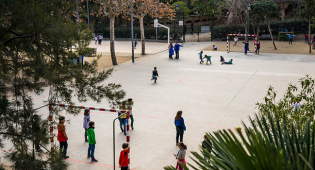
(91, 151)
(131, 117)
(179, 133)
(245, 50)
(177, 54)
(154, 78)
(257, 50)
(64, 146)
(123, 124)
(124, 168)
(290, 41)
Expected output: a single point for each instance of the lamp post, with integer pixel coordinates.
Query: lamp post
(177, 8)
(88, 13)
(248, 8)
(132, 47)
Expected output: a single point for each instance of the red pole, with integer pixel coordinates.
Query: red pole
(128, 137)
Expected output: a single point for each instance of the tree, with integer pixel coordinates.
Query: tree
(307, 12)
(112, 9)
(210, 8)
(266, 144)
(183, 8)
(239, 11)
(141, 8)
(35, 37)
(285, 106)
(266, 11)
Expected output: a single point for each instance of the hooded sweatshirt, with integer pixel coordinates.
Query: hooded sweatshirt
(86, 121)
(91, 136)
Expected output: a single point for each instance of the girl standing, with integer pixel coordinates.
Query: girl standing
(180, 126)
(86, 121)
(257, 47)
(171, 50)
(181, 156)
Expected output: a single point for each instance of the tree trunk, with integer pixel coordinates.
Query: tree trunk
(309, 34)
(273, 41)
(112, 40)
(142, 36)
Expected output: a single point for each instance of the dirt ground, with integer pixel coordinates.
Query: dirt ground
(106, 61)
(266, 46)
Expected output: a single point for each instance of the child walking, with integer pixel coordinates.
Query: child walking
(136, 43)
(180, 156)
(155, 74)
(129, 107)
(62, 137)
(123, 158)
(92, 141)
(86, 121)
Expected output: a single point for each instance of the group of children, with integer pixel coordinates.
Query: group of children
(89, 136)
(209, 59)
(175, 48)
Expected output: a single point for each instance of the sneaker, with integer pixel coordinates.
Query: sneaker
(94, 160)
(121, 130)
(65, 157)
(88, 156)
(86, 140)
(132, 127)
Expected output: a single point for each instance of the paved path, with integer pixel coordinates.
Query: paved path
(212, 97)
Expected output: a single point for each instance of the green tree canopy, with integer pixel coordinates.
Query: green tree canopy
(35, 41)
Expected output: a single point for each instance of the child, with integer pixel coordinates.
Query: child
(200, 56)
(86, 121)
(235, 40)
(129, 107)
(257, 47)
(208, 59)
(222, 59)
(245, 47)
(207, 145)
(123, 117)
(95, 39)
(62, 137)
(229, 62)
(215, 47)
(136, 44)
(155, 74)
(181, 155)
(170, 51)
(123, 158)
(92, 141)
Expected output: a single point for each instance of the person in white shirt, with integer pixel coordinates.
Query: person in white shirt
(235, 40)
(296, 105)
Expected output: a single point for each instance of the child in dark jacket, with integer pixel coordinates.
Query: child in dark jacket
(92, 141)
(123, 158)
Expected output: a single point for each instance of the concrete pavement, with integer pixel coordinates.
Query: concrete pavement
(212, 97)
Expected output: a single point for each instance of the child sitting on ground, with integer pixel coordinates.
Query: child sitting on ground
(229, 62)
(215, 47)
(222, 59)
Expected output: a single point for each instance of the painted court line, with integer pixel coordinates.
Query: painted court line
(241, 89)
(259, 73)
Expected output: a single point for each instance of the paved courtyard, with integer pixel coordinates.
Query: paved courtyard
(212, 97)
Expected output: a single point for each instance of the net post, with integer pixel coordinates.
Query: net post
(128, 137)
(227, 43)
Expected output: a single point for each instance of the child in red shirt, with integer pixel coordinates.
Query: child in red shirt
(62, 137)
(123, 158)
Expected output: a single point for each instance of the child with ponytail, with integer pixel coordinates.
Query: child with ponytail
(181, 156)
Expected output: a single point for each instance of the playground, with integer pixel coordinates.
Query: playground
(212, 97)
(266, 46)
